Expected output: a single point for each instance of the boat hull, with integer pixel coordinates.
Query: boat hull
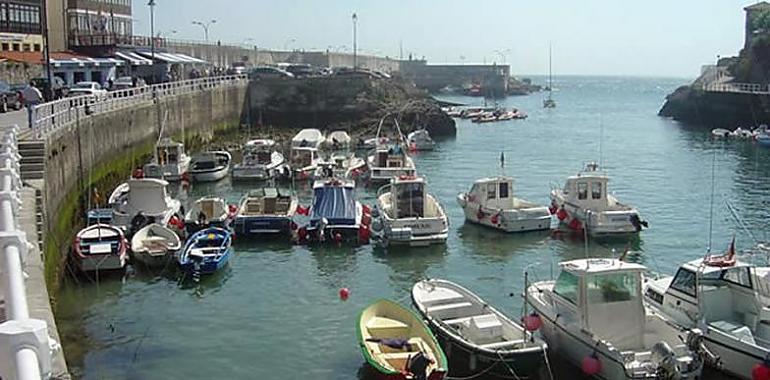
(209, 175)
(251, 174)
(465, 361)
(208, 267)
(153, 259)
(601, 224)
(524, 220)
(108, 262)
(260, 225)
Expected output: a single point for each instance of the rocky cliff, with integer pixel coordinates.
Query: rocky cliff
(353, 103)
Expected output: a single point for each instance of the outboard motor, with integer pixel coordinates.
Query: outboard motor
(694, 342)
(665, 360)
(418, 365)
(139, 220)
(637, 223)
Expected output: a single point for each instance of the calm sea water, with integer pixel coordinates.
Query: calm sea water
(274, 312)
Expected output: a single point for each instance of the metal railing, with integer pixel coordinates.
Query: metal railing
(51, 116)
(742, 88)
(25, 347)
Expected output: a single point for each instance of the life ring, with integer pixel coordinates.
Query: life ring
(406, 177)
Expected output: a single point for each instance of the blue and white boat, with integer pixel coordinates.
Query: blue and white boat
(265, 211)
(207, 251)
(336, 215)
(763, 138)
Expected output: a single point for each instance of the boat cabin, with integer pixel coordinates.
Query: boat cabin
(148, 195)
(588, 189)
(303, 156)
(408, 197)
(603, 296)
(732, 298)
(258, 152)
(265, 201)
(169, 151)
(495, 192)
(390, 156)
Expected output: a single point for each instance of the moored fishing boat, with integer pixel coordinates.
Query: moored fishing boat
(208, 212)
(584, 203)
(210, 166)
(146, 201)
(406, 214)
(170, 161)
(206, 251)
(335, 215)
(728, 300)
(100, 247)
(397, 344)
(594, 316)
(476, 337)
(390, 160)
(261, 161)
(305, 153)
(155, 245)
(267, 210)
(420, 140)
(490, 202)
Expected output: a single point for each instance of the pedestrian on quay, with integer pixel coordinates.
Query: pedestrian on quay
(32, 97)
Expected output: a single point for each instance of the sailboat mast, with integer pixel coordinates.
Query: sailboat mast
(550, 71)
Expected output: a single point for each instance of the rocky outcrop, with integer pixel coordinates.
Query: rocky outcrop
(716, 109)
(353, 103)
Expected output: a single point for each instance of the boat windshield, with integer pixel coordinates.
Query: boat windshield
(567, 286)
(612, 287)
(302, 157)
(410, 200)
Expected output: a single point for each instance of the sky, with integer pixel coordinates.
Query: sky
(671, 38)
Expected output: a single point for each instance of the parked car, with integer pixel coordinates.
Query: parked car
(366, 73)
(88, 88)
(59, 90)
(9, 98)
(269, 72)
(300, 70)
(127, 82)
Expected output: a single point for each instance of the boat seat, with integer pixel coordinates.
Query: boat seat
(507, 343)
(396, 355)
(483, 329)
(738, 331)
(451, 310)
(440, 296)
(458, 321)
(382, 323)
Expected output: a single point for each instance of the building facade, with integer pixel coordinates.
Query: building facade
(752, 12)
(20, 25)
(99, 23)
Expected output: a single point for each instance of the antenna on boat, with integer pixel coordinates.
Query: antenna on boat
(711, 207)
(601, 141)
(502, 163)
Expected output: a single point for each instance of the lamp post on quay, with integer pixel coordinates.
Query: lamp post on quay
(355, 58)
(205, 26)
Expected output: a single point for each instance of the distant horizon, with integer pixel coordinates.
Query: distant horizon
(598, 37)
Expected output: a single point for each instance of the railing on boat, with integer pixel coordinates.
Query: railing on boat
(25, 347)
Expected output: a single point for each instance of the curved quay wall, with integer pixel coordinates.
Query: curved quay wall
(78, 142)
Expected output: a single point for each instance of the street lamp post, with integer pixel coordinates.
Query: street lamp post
(355, 53)
(47, 51)
(205, 26)
(151, 4)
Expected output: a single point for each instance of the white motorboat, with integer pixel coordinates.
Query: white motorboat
(593, 315)
(420, 140)
(100, 247)
(170, 161)
(585, 203)
(155, 245)
(304, 152)
(720, 133)
(265, 211)
(406, 214)
(373, 142)
(146, 202)
(338, 141)
(475, 336)
(742, 133)
(261, 161)
(210, 166)
(119, 195)
(490, 202)
(389, 161)
(208, 212)
(340, 162)
(728, 300)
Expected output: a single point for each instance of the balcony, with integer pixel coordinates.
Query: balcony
(110, 39)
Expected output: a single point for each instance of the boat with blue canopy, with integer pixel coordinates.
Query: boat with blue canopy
(335, 214)
(207, 251)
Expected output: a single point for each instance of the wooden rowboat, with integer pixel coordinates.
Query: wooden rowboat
(398, 345)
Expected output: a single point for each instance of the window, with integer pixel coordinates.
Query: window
(567, 286)
(684, 281)
(738, 276)
(582, 190)
(491, 191)
(26, 47)
(504, 190)
(16, 47)
(36, 47)
(613, 287)
(596, 190)
(4, 46)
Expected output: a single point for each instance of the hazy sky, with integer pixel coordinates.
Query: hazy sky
(612, 37)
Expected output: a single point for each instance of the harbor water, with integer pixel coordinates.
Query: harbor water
(274, 312)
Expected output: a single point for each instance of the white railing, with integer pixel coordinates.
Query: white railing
(51, 116)
(743, 88)
(25, 348)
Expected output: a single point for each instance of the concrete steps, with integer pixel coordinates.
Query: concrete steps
(32, 159)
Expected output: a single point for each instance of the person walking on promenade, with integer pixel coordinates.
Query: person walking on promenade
(32, 97)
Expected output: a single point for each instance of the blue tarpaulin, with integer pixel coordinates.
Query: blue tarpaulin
(335, 203)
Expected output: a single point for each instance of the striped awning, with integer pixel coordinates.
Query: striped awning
(172, 57)
(87, 61)
(133, 58)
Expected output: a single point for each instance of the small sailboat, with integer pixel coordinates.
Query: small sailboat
(261, 161)
(490, 202)
(210, 166)
(267, 210)
(549, 102)
(476, 336)
(420, 140)
(146, 201)
(170, 161)
(336, 215)
(594, 316)
(407, 214)
(100, 247)
(208, 212)
(397, 344)
(584, 202)
(305, 153)
(206, 251)
(155, 245)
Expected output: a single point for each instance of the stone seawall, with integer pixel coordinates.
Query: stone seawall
(108, 145)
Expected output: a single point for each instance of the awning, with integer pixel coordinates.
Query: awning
(133, 58)
(172, 57)
(87, 61)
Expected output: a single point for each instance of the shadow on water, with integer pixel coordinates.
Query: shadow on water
(208, 284)
(334, 263)
(490, 245)
(409, 264)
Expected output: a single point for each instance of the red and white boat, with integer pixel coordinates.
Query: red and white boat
(100, 247)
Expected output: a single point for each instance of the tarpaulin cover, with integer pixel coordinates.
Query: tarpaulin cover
(335, 203)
